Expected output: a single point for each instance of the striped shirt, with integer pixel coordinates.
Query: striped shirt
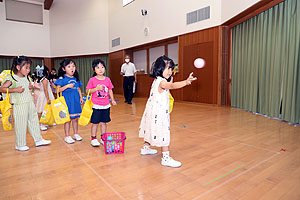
(19, 98)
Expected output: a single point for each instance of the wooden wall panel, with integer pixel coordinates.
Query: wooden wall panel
(49, 62)
(207, 40)
(115, 63)
(143, 80)
(225, 61)
(48, 4)
(202, 89)
(143, 86)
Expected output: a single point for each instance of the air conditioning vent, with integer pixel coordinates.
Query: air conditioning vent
(198, 15)
(115, 42)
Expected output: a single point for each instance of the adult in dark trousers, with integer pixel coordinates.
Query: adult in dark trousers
(128, 71)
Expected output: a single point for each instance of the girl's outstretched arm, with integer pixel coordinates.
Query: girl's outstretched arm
(7, 84)
(176, 85)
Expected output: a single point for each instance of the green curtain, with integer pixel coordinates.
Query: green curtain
(84, 68)
(265, 62)
(5, 63)
(35, 62)
(291, 71)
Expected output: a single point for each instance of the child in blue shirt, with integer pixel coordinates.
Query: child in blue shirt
(69, 84)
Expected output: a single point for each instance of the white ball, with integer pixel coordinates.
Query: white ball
(199, 63)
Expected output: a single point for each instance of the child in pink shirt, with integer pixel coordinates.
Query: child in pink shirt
(100, 87)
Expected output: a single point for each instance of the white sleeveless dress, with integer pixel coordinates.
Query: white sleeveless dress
(155, 123)
(42, 100)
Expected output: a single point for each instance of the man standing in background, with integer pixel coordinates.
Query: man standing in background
(128, 71)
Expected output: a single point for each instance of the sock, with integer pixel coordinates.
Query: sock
(166, 155)
(146, 146)
(75, 133)
(94, 137)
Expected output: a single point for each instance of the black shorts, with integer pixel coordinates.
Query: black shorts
(100, 115)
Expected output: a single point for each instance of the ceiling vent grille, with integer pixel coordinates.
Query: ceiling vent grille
(115, 42)
(198, 15)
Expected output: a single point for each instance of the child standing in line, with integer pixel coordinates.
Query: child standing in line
(35, 93)
(100, 87)
(45, 96)
(155, 123)
(52, 79)
(69, 84)
(36, 88)
(24, 111)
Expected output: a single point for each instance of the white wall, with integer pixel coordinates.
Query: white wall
(231, 8)
(19, 38)
(79, 27)
(82, 27)
(166, 18)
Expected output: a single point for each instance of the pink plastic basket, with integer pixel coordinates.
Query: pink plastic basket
(114, 143)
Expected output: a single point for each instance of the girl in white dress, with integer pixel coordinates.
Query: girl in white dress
(45, 95)
(36, 89)
(155, 123)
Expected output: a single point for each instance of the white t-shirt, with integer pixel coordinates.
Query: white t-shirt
(128, 69)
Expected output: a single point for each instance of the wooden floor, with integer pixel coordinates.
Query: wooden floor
(226, 153)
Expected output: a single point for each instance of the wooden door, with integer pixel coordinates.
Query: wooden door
(202, 89)
(116, 78)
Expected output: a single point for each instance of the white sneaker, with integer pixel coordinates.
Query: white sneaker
(43, 128)
(148, 151)
(95, 143)
(44, 125)
(101, 142)
(42, 142)
(69, 140)
(170, 162)
(54, 124)
(22, 148)
(77, 137)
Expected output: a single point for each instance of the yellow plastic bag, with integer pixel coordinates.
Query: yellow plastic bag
(171, 102)
(60, 109)
(3, 74)
(6, 112)
(47, 116)
(87, 111)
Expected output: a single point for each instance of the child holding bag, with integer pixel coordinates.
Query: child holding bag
(24, 111)
(69, 84)
(45, 96)
(100, 87)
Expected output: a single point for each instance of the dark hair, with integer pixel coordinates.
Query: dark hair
(159, 66)
(21, 61)
(34, 76)
(95, 63)
(45, 74)
(53, 76)
(63, 64)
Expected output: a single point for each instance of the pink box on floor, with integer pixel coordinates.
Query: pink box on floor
(114, 143)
